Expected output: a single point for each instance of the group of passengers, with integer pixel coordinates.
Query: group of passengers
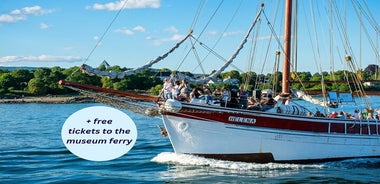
(225, 97)
(178, 90)
(368, 114)
(236, 98)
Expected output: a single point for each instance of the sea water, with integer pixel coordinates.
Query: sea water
(32, 151)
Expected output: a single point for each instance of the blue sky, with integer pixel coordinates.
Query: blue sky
(45, 33)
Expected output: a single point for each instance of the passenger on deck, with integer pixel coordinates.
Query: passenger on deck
(370, 115)
(175, 89)
(341, 115)
(269, 103)
(333, 115)
(207, 93)
(226, 96)
(253, 104)
(217, 94)
(318, 114)
(377, 115)
(184, 91)
(195, 96)
(357, 114)
(242, 97)
(233, 103)
(196, 92)
(167, 88)
(349, 116)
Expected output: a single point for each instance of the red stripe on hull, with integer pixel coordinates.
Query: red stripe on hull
(282, 121)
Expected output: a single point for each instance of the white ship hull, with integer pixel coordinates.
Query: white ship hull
(252, 143)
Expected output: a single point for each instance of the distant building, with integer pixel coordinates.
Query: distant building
(104, 65)
(163, 75)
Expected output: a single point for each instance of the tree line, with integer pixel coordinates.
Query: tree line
(44, 81)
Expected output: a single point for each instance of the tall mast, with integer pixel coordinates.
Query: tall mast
(287, 47)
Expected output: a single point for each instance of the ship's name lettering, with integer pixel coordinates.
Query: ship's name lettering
(242, 119)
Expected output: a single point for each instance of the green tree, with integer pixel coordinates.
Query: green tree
(304, 76)
(40, 83)
(122, 85)
(107, 82)
(316, 77)
(6, 82)
(344, 88)
(116, 68)
(233, 74)
(37, 87)
(21, 78)
(156, 89)
(74, 74)
(250, 76)
(54, 76)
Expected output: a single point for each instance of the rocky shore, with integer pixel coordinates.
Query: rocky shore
(51, 100)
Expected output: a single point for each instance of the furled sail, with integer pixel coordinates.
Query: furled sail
(93, 71)
(302, 95)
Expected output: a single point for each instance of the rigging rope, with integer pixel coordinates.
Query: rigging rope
(221, 36)
(202, 3)
(106, 31)
(270, 42)
(197, 57)
(212, 16)
(229, 61)
(112, 74)
(137, 106)
(103, 35)
(214, 53)
(366, 32)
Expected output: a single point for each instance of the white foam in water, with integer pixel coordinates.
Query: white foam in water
(192, 160)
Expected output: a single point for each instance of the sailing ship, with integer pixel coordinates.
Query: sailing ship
(284, 133)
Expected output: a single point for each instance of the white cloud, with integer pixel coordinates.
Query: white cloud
(44, 25)
(139, 28)
(171, 29)
(97, 40)
(125, 31)
(212, 33)
(11, 18)
(174, 38)
(41, 58)
(34, 10)
(126, 4)
(226, 34)
(22, 14)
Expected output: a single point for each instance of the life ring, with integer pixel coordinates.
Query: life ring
(182, 126)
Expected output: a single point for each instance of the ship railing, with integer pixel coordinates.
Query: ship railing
(359, 122)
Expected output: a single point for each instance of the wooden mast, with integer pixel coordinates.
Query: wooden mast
(287, 48)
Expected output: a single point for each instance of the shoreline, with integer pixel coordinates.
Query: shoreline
(49, 100)
(85, 99)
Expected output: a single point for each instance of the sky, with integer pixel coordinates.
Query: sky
(45, 33)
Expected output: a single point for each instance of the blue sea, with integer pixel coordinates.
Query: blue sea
(32, 151)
